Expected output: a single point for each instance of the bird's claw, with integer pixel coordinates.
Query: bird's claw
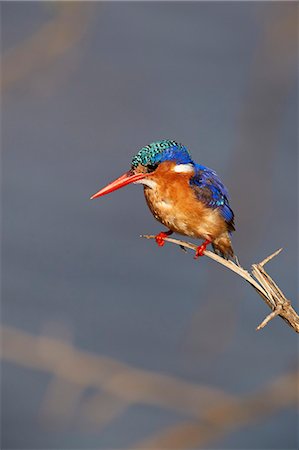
(161, 236)
(201, 249)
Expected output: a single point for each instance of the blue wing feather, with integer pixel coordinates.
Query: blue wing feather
(210, 190)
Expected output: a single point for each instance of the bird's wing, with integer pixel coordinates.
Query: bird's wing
(211, 191)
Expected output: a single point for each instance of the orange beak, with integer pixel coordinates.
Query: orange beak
(126, 178)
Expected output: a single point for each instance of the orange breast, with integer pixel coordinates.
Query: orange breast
(174, 203)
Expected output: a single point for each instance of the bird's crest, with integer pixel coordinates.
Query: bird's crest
(160, 151)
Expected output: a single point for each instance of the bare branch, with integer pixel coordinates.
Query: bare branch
(259, 280)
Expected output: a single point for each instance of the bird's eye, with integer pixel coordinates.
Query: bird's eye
(151, 167)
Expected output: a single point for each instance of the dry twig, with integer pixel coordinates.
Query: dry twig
(259, 279)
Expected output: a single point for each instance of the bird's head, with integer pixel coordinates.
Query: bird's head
(150, 156)
(147, 160)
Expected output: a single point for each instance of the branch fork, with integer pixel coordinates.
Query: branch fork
(258, 278)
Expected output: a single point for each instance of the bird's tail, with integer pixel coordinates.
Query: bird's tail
(223, 246)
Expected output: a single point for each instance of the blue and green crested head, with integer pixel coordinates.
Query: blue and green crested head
(147, 160)
(156, 152)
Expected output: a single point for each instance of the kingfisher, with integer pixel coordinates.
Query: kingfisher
(186, 197)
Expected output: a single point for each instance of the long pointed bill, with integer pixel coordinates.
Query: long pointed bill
(126, 178)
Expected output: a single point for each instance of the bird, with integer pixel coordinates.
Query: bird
(186, 197)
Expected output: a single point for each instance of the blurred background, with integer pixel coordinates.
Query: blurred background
(107, 340)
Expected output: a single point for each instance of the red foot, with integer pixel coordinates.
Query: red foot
(161, 236)
(201, 249)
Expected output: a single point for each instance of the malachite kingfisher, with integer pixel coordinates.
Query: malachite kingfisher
(186, 197)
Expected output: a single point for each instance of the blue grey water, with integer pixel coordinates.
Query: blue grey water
(207, 75)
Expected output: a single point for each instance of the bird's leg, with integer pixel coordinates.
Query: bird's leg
(201, 249)
(161, 236)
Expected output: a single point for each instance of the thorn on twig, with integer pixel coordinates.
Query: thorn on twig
(270, 316)
(262, 263)
(237, 260)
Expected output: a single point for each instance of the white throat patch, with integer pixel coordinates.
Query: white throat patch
(150, 183)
